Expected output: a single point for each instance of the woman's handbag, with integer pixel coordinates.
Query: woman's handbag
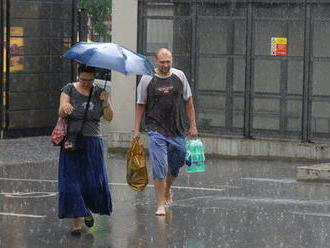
(137, 175)
(60, 131)
(74, 141)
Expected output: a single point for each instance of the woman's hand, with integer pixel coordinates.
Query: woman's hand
(67, 108)
(104, 97)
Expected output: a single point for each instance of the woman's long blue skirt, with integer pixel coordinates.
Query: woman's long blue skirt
(83, 181)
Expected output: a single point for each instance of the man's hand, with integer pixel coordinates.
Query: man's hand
(136, 135)
(193, 133)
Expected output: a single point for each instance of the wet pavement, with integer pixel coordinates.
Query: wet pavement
(236, 203)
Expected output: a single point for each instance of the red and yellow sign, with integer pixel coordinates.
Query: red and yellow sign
(16, 49)
(279, 46)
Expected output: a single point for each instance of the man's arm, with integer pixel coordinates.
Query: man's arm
(139, 111)
(190, 110)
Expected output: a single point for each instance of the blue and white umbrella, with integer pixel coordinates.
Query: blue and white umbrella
(110, 56)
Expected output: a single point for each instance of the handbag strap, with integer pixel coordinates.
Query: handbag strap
(86, 109)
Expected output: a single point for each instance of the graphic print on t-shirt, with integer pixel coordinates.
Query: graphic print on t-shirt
(165, 90)
(91, 105)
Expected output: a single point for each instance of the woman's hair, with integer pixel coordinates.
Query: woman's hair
(84, 68)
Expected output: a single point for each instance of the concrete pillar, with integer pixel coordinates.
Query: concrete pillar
(124, 32)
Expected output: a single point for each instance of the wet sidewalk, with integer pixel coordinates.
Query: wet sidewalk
(237, 203)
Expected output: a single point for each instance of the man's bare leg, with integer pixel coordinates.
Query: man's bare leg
(168, 193)
(160, 195)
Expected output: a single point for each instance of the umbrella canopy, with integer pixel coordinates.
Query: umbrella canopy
(110, 56)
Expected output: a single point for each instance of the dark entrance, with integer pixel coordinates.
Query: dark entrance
(34, 35)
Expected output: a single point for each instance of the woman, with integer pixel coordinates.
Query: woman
(82, 179)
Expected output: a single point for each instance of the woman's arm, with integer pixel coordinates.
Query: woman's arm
(65, 107)
(107, 106)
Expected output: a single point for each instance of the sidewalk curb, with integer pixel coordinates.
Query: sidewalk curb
(239, 147)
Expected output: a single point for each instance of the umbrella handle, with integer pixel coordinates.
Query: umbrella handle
(106, 79)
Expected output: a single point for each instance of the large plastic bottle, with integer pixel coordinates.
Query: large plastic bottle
(195, 157)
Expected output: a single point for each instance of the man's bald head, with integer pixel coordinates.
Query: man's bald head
(163, 61)
(162, 51)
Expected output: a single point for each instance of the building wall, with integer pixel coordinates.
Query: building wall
(210, 42)
(240, 88)
(124, 26)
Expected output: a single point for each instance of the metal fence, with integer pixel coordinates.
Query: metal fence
(34, 36)
(240, 88)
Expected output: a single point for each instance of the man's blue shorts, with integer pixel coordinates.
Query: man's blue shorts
(167, 154)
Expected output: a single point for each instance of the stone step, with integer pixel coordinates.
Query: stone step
(318, 172)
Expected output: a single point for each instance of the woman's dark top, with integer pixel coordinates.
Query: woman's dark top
(79, 102)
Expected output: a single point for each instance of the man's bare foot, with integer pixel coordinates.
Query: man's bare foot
(168, 197)
(160, 211)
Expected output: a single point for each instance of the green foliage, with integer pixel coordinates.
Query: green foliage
(99, 12)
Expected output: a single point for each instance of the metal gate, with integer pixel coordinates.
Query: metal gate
(34, 35)
(239, 87)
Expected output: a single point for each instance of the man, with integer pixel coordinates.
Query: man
(161, 98)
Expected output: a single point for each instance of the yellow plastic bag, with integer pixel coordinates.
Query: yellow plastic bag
(137, 175)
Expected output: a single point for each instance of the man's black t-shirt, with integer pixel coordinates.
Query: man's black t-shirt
(164, 98)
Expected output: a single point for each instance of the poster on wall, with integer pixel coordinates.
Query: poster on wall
(279, 46)
(16, 49)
